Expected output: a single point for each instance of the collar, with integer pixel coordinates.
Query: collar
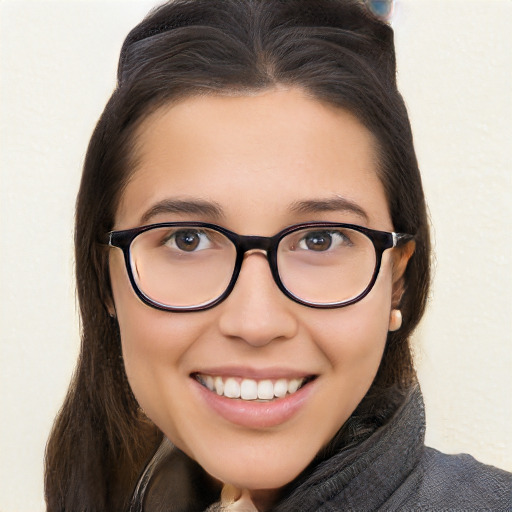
(365, 476)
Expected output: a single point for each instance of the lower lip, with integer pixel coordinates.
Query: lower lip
(252, 414)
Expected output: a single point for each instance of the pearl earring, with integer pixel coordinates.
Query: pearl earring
(395, 320)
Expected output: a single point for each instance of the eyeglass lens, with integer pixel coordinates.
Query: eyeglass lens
(327, 265)
(191, 266)
(182, 267)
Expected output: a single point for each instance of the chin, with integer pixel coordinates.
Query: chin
(243, 473)
(267, 479)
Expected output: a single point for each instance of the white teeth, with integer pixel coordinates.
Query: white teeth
(231, 388)
(293, 385)
(209, 382)
(280, 388)
(219, 385)
(265, 390)
(250, 389)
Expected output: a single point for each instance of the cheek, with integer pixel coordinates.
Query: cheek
(146, 331)
(153, 343)
(356, 333)
(353, 341)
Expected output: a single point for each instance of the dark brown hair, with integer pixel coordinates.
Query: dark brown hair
(333, 49)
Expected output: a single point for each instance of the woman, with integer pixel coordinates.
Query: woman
(252, 257)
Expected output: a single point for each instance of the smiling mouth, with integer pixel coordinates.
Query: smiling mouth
(265, 390)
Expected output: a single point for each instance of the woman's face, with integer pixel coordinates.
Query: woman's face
(254, 164)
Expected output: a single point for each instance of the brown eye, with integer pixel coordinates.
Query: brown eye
(187, 240)
(323, 241)
(319, 241)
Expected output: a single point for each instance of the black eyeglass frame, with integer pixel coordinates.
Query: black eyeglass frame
(381, 240)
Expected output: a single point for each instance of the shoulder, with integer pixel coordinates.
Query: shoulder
(459, 482)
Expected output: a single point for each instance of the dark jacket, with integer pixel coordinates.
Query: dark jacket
(390, 470)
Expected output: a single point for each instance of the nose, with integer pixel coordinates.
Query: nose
(256, 311)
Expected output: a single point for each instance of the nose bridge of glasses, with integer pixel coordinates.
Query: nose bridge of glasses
(255, 243)
(265, 246)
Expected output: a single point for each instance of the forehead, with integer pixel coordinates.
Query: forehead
(253, 156)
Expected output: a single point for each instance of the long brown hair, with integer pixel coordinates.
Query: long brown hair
(333, 49)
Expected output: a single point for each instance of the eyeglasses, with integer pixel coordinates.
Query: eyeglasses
(193, 266)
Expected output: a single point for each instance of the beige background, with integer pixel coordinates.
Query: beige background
(58, 62)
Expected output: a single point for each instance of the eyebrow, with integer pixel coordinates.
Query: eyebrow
(335, 204)
(179, 206)
(214, 210)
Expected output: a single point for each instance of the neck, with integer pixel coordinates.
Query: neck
(245, 500)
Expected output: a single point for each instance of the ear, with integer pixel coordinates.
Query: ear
(110, 306)
(401, 256)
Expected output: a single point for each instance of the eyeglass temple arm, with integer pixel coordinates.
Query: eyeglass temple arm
(401, 239)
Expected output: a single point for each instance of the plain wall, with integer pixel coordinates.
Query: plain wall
(57, 69)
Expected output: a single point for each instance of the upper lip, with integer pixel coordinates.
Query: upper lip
(254, 373)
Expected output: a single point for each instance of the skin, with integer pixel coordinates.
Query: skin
(254, 156)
